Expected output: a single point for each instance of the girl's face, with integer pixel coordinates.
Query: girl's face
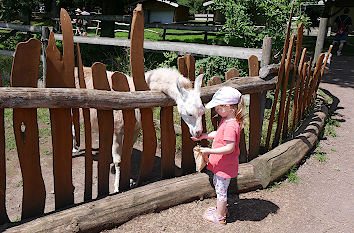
(224, 110)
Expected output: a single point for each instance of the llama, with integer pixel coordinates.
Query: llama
(166, 80)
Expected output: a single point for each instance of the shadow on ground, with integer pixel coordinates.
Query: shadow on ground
(252, 209)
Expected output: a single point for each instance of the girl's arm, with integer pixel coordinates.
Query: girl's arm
(210, 135)
(227, 149)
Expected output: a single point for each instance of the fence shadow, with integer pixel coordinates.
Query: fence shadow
(341, 72)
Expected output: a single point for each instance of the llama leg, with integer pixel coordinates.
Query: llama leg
(75, 147)
(116, 153)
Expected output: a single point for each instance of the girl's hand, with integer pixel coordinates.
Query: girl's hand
(203, 136)
(205, 151)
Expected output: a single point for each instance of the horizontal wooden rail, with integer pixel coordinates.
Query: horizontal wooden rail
(23, 28)
(84, 98)
(179, 47)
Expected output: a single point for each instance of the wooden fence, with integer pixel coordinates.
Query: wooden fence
(62, 99)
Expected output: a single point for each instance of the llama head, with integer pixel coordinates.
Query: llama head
(190, 107)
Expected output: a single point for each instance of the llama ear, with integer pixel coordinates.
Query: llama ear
(181, 90)
(198, 82)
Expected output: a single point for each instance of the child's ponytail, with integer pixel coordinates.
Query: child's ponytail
(239, 113)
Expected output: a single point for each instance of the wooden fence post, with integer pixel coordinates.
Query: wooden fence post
(254, 113)
(137, 66)
(88, 136)
(60, 73)
(186, 66)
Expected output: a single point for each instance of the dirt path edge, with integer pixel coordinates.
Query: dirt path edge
(116, 209)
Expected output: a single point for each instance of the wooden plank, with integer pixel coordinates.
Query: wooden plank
(254, 113)
(306, 87)
(120, 83)
(60, 73)
(105, 127)
(188, 162)
(25, 73)
(297, 92)
(303, 86)
(88, 136)
(69, 64)
(61, 131)
(3, 214)
(280, 78)
(231, 73)
(297, 58)
(137, 66)
(315, 78)
(283, 93)
(324, 65)
(168, 143)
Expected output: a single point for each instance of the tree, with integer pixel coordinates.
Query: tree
(250, 21)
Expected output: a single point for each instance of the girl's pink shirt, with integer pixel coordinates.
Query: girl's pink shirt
(226, 165)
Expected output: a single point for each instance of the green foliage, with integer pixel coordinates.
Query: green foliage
(217, 66)
(321, 156)
(171, 60)
(195, 6)
(243, 19)
(291, 176)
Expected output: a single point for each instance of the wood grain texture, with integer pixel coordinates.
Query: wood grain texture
(137, 66)
(120, 83)
(88, 136)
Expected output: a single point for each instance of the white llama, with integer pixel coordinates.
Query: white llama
(166, 80)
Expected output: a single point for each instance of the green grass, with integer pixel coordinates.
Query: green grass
(321, 156)
(291, 176)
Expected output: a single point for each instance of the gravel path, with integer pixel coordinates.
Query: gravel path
(321, 201)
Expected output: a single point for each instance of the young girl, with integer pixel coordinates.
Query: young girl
(222, 158)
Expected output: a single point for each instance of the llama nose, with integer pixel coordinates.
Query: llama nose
(199, 133)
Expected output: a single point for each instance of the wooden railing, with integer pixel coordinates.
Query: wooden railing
(62, 98)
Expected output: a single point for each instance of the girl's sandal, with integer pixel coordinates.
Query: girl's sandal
(211, 217)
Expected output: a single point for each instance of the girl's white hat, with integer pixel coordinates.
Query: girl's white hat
(78, 10)
(225, 95)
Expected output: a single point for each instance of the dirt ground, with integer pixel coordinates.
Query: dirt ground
(321, 201)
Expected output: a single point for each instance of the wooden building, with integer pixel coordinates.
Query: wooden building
(163, 11)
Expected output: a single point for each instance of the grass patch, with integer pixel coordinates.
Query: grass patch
(321, 156)
(291, 176)
(274, 186)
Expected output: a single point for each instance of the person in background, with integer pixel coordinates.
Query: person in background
(85, 22)
(78, 23)
(343, 23)
(223, 157)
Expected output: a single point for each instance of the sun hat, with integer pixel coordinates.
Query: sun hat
(225, 95)
(78, 10)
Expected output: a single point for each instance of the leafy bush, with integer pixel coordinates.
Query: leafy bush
(217, 66)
